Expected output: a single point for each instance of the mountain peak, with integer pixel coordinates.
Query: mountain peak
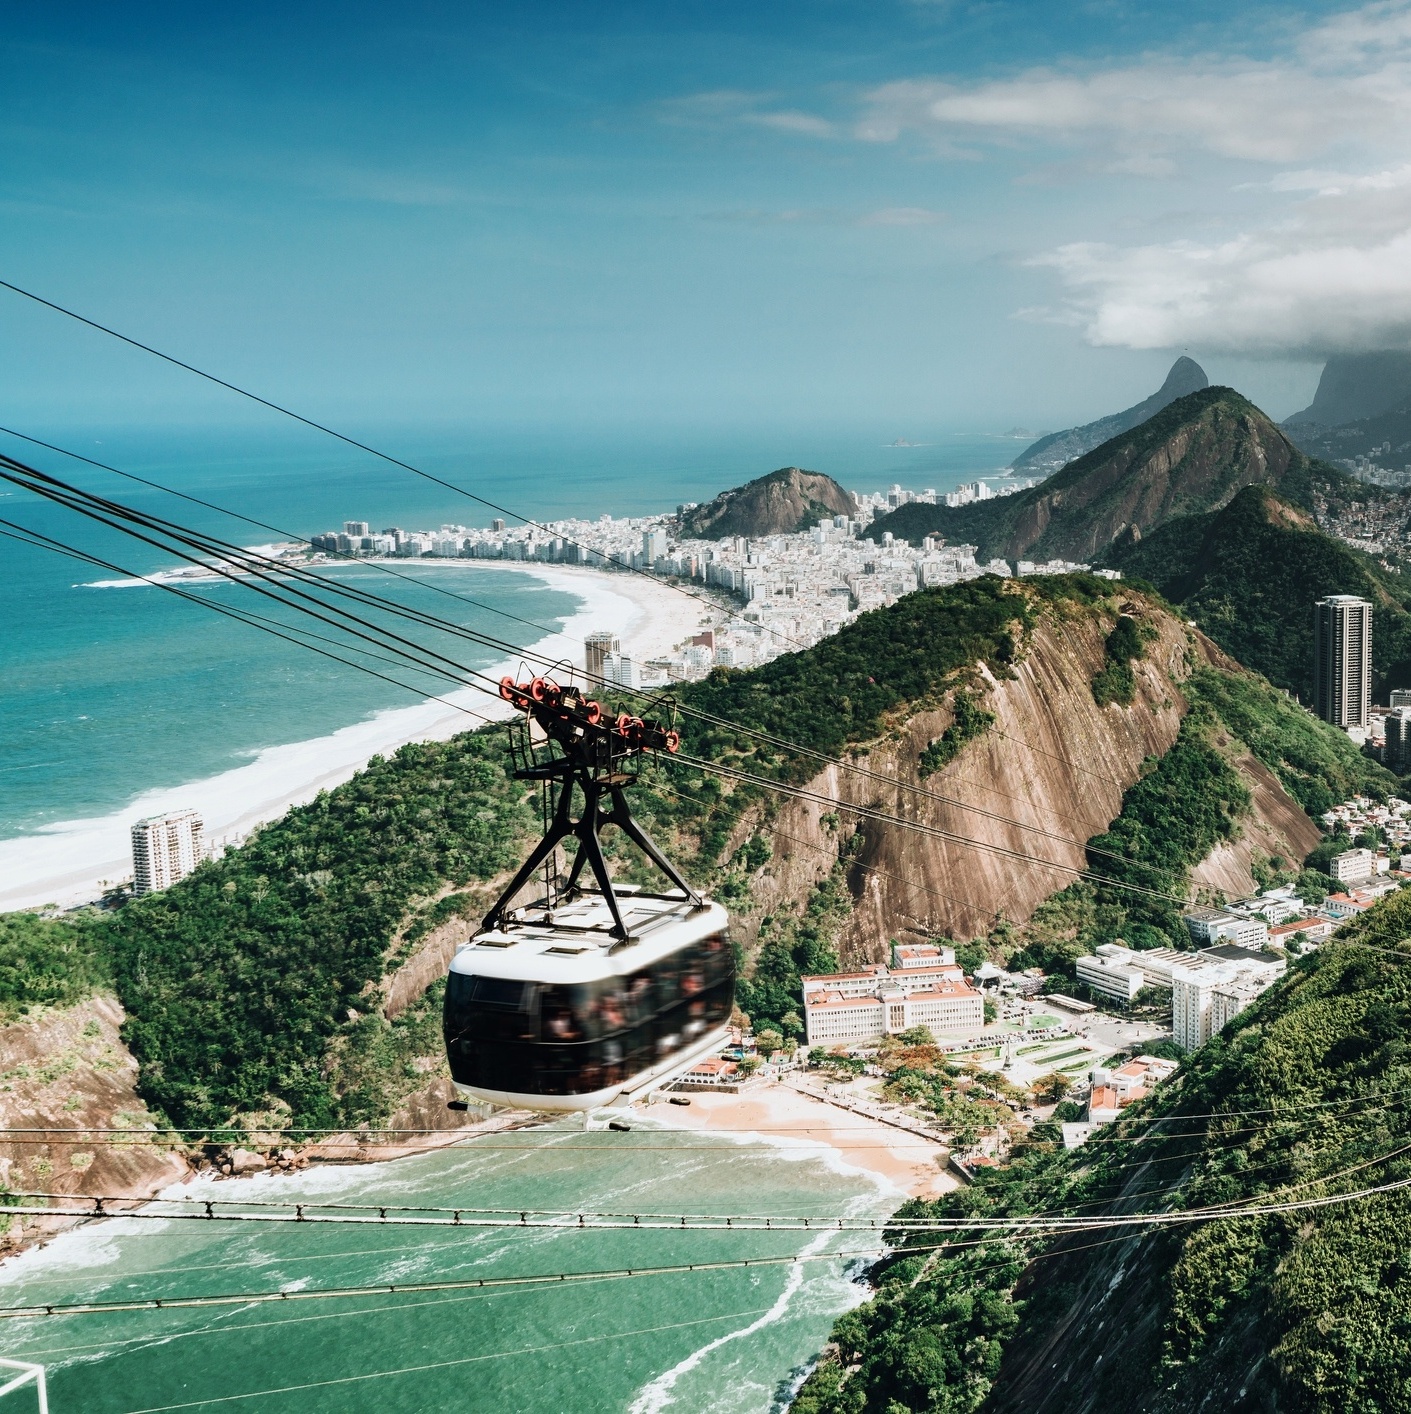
(780, 503)
(1357, 386)
(1186, 376)
(1194, 456)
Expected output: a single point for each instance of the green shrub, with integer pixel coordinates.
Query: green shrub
(48, 962)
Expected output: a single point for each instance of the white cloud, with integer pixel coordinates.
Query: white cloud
(1325, 267)
(903, 216)
(728, 107)
(1247, 295)
(790, 120)
(1275, 111)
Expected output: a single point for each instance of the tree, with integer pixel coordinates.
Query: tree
(916, 1036)
(991, 1010)
(791, 1024)
(767, 1042)
(1052, 1087)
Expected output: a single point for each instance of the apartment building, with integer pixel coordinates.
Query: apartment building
(1213, 987)
(1342, 660)
(165, 848)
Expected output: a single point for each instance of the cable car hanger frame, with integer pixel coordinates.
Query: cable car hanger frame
(600, 755)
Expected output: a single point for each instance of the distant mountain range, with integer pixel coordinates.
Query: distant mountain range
(1190, 458)
(788, 500)
(1362, 409)
(1057, 449)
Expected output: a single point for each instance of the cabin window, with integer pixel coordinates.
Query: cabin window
(532, 1038)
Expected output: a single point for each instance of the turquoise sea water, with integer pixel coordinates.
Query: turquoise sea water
(106, 693)
(734, 1341)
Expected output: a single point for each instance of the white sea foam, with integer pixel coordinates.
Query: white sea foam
(661, 1392)
(69, 861)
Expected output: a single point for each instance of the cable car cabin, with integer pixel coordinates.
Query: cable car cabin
(591, 996)
(549, 1010)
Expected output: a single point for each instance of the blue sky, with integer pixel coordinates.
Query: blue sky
(895, 213)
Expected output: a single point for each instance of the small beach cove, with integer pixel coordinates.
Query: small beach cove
(731, 1339)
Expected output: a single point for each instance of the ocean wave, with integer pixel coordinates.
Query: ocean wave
(661, 1392)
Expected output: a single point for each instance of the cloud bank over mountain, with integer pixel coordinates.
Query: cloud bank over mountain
(1318, 262)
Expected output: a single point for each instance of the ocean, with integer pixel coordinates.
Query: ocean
(107, 693)
(735, 1341)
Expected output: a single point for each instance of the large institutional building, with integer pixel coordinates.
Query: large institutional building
(1342, 660)
(165, 848)
(1213, 987)
(924, 987)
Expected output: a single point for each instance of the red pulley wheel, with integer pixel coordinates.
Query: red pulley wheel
(507, 687)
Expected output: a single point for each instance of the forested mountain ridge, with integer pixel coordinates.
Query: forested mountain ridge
(1058, 448)
(1300, 1097)
(1190, 458)
(1249, 575)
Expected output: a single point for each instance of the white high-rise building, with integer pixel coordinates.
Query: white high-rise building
(1342, 660)
(619, 669)
(597, 647)
(165, 848)
(1213, 988)
(653, 546)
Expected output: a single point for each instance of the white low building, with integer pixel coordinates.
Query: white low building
(1353, 865)
(1216, 925)
(1111, 976)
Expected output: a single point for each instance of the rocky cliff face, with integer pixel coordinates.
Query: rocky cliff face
(63, 1069)
(1192, 457)
(1357, 386)
(781, 503)
(1047, 776)
(1136, 483)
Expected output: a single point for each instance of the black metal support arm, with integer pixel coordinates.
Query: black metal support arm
(581, 776)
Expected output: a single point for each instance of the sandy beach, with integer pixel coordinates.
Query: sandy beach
(777, 1112)
(69, 863)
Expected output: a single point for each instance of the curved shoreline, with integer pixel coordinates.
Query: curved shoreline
(68, 862)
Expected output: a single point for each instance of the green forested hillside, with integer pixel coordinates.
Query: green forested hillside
(1190, 457)
(254, 982)
(1303, 1096)
(243, 981)
(48, 962)
(1249, 574)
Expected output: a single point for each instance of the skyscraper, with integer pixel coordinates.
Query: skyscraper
(165, 848)
(1397, 756)
(597, 647)
(1342, 660)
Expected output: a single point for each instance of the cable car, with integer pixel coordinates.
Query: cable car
(588, 996)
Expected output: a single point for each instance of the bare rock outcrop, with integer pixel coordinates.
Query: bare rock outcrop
(68, 1071)
(1007, 821)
